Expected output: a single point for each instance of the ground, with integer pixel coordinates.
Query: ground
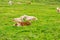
(47, 27)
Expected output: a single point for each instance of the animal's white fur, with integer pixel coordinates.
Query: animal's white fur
(10, 2)
(29, 18)
(58, 9)
(20, 19)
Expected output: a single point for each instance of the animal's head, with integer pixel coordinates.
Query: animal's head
(29, 18)
(34, 18)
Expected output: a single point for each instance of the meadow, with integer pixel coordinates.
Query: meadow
(47, 27)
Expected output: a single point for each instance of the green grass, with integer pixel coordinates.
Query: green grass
(47, 27)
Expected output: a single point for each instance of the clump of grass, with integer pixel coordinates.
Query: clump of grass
(24, 20)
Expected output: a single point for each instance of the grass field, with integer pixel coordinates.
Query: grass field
(47, 27)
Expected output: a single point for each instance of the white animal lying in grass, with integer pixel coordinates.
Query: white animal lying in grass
(24, 20)
(10, 2)
(19, 3)
(58, 9)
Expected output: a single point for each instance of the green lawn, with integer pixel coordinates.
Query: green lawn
(47, 27)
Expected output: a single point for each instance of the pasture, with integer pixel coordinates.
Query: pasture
(47, 27)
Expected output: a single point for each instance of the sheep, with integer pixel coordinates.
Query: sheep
(20, 21)
(19, 2)
(10, 2)
(58, 9)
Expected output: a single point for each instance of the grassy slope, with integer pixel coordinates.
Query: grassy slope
(46, 28)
